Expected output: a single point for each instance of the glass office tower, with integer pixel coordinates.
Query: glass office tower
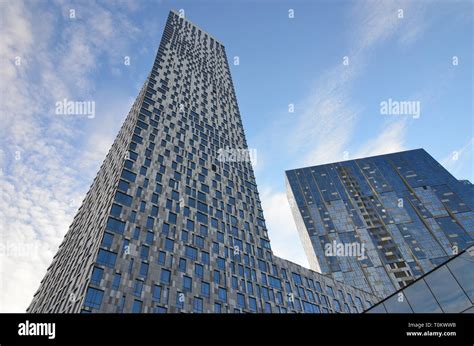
(448, 288)
(379, 223)
(173, 220)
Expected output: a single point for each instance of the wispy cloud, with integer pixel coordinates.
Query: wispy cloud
(390, 139)
(46, 166)
(283, 230)
(461, 159)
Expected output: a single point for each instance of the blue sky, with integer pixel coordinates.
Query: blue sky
(49, 160)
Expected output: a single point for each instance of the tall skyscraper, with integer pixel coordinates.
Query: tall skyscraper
(404, 211)
(173, 220)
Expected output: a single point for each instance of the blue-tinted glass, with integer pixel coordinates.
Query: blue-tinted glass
(462, 268)
(182, 265)
(241, 300)
(165, 276)
(161, 258)
(205, 258)
(397, 304)
(137, 291)
(220, 263)
(252, 304)
(128, 175)
(217, 308)
(420, 298)
(205, 289)
(222, 294)
(144, 269)
(149, 238)
(198, 303)
(116, 282)
(115, 225)
(136, 233)
(447, 291)
(107, 240)
(156, 293)
(199, 270)
(169, 244)
(137, 306)
(97, 275)
(160, 310)
(190, 252)
(116, 210)
(123, 198)
(172, 218)
(93, 298)
(123, 185)
(187, 284)
(144, 251)
(106, 258)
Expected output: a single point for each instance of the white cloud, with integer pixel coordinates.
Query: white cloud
(283, 237)
(390, 139)
(461, 161)
(45, 158)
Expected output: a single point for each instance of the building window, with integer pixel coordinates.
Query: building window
(253, 304)
(144, 269)
(330, 291)
(205, 289)
(198, 303)
(97, 275)
(222, 294)
(123, 198)
(116, 210)
(156, 293)
(217, 308)
(162, 257)
(116, 281)
(220, 263)
(144, 251)
(182, 265)
(217, 277)
(137, 291)
(205, 257)
(199, 270)
(165, 276)
(190, 252)
(149, 238)
(169, 245)
(128, 175)
(115, 225)
(240, 300)
(160, 310)
(137, 306)
(93, 298)
(187, 284)
(107, 240)
(337, 305)
(106, 258)
(172, 218)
